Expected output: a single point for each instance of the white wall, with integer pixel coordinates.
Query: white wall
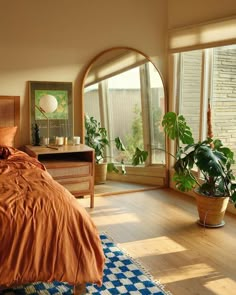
(55, 40)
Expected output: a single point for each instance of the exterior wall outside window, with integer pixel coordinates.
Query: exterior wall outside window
(223, 101)
(221, 83)
(190, 89)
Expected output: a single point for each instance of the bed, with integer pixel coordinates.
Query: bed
(45, 235)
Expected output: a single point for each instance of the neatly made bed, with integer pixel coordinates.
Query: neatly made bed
(45, 235)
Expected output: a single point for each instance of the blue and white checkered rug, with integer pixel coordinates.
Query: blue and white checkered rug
(122, 275)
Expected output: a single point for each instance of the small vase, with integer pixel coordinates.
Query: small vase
(36, 137)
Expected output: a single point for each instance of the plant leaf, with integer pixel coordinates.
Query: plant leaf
(176, 127)
(139, 157)
(184, 182)
(233, 198)
(119, 144)
(210, 161)
(112, 168)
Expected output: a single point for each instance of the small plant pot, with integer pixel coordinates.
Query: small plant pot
(211, 210)
(100, 173)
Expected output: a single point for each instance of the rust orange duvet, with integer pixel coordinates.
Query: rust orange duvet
(45, 235)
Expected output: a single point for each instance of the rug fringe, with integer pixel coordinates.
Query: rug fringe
(140, 265)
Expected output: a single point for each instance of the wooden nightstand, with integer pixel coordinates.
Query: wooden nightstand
(70, 165)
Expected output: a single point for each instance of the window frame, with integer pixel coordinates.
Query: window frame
(206, 90)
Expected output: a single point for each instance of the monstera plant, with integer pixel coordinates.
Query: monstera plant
(216, 182)
(96, 137)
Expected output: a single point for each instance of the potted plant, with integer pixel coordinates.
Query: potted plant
(96, 137)
(216, 186)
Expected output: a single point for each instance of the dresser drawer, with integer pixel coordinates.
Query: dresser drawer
(78, 187)
(63, 169)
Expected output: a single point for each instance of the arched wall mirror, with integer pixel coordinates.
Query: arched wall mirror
(124, 91)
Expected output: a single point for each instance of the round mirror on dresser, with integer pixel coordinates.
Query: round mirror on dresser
(124, 93)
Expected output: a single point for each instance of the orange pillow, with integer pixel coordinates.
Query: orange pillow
(7, 135)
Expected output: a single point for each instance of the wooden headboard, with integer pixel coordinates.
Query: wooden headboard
(10, 113)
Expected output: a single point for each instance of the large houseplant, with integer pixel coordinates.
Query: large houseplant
(96, 137)
(216, 184)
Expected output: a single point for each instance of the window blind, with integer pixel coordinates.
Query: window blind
(114, 66)
(204, 35)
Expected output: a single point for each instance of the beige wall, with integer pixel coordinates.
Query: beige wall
(55, 40)
(189, 12)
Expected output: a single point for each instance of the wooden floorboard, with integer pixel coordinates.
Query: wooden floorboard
(158, 227)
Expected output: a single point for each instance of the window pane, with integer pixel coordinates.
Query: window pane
(91, 101)
(223, 101)
(190, 89)
(156, 112)
(125, 112)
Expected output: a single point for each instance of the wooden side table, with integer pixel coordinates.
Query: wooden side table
(70, 165)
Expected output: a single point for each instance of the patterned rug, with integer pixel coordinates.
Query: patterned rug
(122, 275)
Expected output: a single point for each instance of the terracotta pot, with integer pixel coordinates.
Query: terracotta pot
(211, 210)
(100, 173)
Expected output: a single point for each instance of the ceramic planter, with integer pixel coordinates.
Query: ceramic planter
(211, 210)
(100, 173)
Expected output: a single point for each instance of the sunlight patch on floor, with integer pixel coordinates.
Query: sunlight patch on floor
(187, 272)
(221, 286)
(154, 246)
(118, 218)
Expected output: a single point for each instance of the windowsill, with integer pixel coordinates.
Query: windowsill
(151, 175)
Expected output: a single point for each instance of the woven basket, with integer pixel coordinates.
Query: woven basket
(211, 210)
(100, 173)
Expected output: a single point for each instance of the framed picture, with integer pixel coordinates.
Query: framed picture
(60, 121)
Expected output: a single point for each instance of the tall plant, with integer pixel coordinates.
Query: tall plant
(213, 159)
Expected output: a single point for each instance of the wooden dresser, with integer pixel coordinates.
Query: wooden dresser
(71, 165)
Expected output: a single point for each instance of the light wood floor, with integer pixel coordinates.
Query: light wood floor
(158, 227)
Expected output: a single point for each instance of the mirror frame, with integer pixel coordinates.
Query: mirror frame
(160, 174)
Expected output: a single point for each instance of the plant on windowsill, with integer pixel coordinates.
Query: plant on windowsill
(96, 137)
(213, 160)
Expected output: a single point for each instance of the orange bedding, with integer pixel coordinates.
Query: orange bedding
(45, 235)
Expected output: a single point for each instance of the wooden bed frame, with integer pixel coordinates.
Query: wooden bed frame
(10, 116)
